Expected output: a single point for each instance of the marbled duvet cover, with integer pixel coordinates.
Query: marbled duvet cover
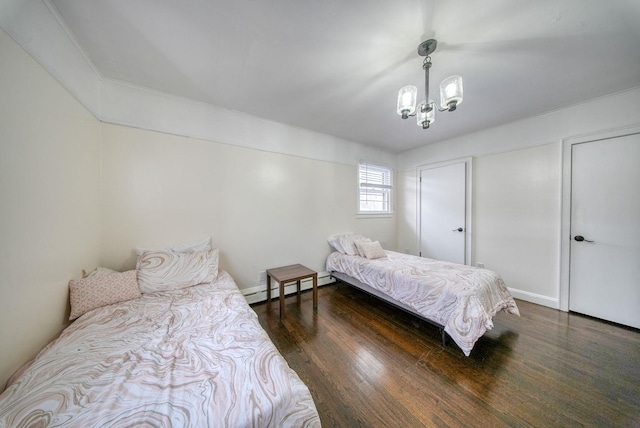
(193, 357)
(461, 298)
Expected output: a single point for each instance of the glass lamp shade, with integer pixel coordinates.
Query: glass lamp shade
(451, 92)
(424, 117)
(407, 101)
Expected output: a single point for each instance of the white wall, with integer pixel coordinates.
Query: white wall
(261, 209)
(517, 183)
(129, 105)
(50, 203)
(516, 223)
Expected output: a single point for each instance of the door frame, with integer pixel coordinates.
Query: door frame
(565, 225)
(468, 163)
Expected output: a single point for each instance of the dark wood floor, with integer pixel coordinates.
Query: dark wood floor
(369, 364)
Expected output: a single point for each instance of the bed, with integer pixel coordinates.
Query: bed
(185, 356)
(461, 300)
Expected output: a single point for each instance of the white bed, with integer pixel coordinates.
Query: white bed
(460, 299)
(193, 356)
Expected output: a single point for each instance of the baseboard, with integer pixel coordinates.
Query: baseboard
(538, 299)
(259, 293)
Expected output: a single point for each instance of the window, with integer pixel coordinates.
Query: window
(375, 183)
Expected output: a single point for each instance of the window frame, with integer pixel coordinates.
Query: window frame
(385, 187)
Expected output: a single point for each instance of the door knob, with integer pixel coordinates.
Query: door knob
(580, 238)
(457, 230)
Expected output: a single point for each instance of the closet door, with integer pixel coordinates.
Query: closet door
(443, 212)
(604, 277)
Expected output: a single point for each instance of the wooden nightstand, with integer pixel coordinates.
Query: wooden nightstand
(286, 274)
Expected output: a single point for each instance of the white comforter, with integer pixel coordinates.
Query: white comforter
(461, 298)
(190, 357)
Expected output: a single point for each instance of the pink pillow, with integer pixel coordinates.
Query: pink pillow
(371, 250)
(101, 290)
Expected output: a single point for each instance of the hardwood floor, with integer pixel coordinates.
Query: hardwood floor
(369, 364)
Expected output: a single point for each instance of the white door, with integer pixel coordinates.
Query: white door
(443, 212)
(604, 277)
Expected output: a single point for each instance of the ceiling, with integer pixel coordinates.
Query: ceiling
(335, 66)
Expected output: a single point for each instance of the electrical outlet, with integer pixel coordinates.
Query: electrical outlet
(262, 277)
(480, 265)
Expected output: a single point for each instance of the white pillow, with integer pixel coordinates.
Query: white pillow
(169, 270)
(348, 242)
(334, 241)
(199, 245)
(371, 250)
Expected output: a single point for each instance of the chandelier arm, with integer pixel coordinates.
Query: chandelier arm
(450, 107)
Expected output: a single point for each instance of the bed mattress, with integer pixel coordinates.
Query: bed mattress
(463, 299)
(196, 356)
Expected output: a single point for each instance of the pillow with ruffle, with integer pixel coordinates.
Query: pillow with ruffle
(101, 290)
(169, 270)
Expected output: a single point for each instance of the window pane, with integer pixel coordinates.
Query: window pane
(375, 175)
(374, 188)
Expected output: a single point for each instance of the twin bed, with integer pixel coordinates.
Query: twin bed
(174, 342)
(190, 355)
(460, 300)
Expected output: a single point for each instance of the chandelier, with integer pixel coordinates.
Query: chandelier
(450, 92)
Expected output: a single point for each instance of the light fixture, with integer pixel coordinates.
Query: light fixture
(450, 92)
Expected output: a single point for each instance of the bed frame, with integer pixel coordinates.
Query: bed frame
(380, 295)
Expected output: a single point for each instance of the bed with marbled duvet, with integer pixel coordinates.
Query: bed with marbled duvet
(187, 356)
(461, 300)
